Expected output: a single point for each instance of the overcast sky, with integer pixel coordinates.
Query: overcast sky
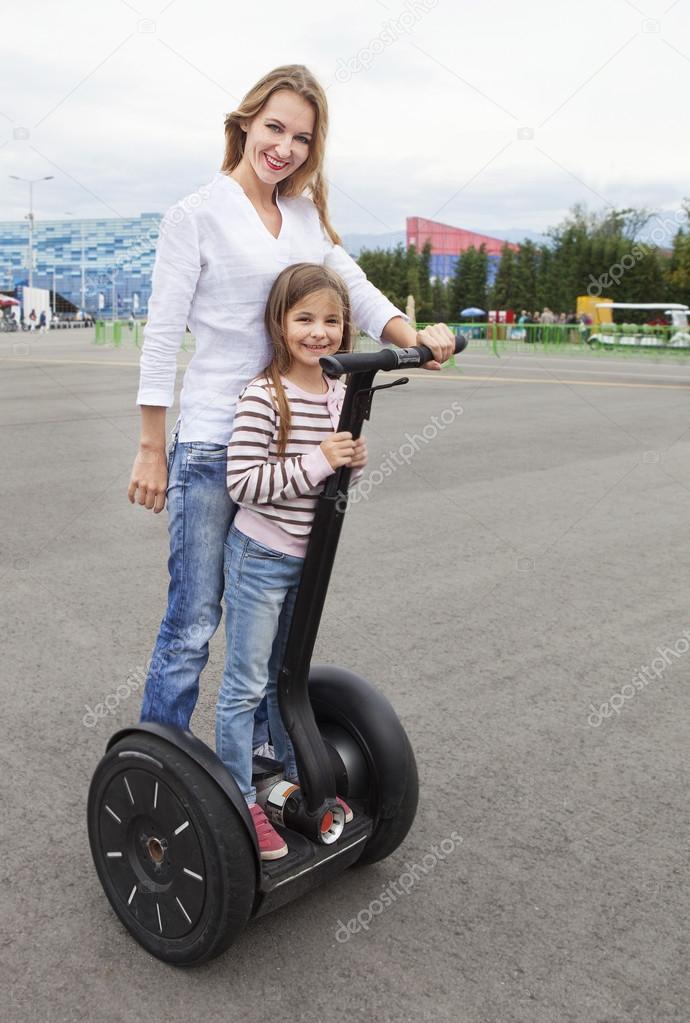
(485, 115)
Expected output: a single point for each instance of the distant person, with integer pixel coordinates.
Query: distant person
(32, 320)
(217, 256)
(527, 321)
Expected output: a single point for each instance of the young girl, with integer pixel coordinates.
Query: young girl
(282, 449)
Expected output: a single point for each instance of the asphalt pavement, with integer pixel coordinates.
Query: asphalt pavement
(514, 576)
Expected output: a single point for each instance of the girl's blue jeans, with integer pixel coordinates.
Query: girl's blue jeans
(260, 589)
(200, 513)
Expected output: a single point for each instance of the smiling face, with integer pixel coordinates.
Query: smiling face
(314, 328)
(278, 138)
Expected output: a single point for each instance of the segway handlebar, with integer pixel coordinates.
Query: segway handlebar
(386, 359)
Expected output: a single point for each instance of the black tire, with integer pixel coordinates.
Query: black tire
(372, 756)
(184, 881)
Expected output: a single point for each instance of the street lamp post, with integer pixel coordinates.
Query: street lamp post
(31, 182)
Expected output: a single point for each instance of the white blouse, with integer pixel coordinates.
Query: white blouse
(215, 264)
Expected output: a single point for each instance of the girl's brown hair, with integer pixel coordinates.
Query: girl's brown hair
(310, 175)
(291, 286)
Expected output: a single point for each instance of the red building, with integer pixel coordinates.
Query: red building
(448, 242)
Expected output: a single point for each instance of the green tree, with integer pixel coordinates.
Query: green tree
(468, 285)
(457, 292)
(412, 283)
(376, 264)
(524, 283)
(501, 291)
(677, 270)
(479, 276)
(544, 278)
(440, 306)
(425, 287)
(645, 281)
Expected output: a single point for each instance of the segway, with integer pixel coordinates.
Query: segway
(170, 833)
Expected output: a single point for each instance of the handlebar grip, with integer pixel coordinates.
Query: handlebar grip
(385, 359)
(356, 362)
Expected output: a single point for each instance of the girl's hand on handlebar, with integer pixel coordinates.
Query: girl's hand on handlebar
(149, 480)
(359, 458)
(441, 340)
(338, 449)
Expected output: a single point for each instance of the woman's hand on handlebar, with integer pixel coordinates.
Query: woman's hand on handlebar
(441, 340)
(149, 480)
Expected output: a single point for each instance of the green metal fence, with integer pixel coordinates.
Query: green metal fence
(115, 333)
(576, 339)
(497, 338)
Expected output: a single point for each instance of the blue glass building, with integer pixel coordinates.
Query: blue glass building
(117, 256)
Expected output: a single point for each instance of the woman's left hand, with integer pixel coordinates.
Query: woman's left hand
(441, 340)
(359, 459)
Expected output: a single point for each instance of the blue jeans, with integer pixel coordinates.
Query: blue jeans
(260, 589)
(200, 512)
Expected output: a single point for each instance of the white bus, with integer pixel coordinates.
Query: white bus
(673, 334)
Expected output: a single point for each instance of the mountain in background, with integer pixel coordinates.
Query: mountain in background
(354, 243)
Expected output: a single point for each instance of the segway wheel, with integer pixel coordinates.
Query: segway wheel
(172, 853)
(372, 757)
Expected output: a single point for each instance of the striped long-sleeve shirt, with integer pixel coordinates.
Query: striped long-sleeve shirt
(277, 496)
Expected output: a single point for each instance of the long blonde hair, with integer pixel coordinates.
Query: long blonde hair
(310, 175)
(292, 285)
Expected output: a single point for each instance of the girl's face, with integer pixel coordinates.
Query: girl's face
(314, 328)
(279, 136)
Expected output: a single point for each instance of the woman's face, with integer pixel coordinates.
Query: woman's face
(279, 136)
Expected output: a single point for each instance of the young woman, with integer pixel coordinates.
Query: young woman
(218, 253)
(283, 448)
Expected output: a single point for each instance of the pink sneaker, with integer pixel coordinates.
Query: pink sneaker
(271, 845)
(348, 812)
